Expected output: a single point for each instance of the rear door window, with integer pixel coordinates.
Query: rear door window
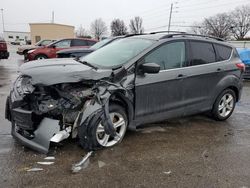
(79, 42)
(168, 56)
(223, 52)
(202, 53)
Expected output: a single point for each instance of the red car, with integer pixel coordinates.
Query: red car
(50, 50)
(4, 54)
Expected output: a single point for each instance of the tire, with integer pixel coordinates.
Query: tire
(224, 105)
(41, 56)
(92, 136)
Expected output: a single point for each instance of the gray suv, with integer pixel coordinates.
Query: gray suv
(135, 80)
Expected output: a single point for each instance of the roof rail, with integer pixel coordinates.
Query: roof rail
(130, 35)
(180, 32)
(195, 35)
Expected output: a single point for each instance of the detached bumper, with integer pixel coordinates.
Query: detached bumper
(41, 136)
(29, 133)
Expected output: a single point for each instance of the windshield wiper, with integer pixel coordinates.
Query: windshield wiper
(86, 63)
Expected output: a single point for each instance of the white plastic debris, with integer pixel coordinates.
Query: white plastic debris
(167, 172)
(61, 135)
(46, 163)
(49, 158)
(82, 164)
(34, 169)
(101, 164)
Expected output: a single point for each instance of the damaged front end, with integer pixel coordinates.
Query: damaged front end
(41, 114)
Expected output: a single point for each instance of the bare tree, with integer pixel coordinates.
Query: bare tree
(198, 28)
(136, 25)
(240, 21)
(218, 26)
(82, 33)
(98, 28)
(118, 27)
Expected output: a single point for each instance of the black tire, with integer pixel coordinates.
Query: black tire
(87, 132)
(41, 56)
(217, 112)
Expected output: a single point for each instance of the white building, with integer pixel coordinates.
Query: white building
(16, 36)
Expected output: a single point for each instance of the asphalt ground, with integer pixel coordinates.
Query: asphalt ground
(188, 152)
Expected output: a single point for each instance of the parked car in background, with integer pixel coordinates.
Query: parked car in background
(4, 54)
(18, 42)
(134, 81)
(245, 58)
(50, 50)
(23, 50)
(79, 52)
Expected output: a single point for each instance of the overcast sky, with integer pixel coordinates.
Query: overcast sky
(155, 13)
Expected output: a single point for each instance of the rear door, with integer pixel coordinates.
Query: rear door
(159, 96)
(204, 73)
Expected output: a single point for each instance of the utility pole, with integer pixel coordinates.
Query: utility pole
(2, 19)
(170, 17)
(53, 17)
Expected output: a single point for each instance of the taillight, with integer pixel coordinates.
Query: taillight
(241, 66)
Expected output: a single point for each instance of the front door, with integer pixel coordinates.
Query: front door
(160, 96)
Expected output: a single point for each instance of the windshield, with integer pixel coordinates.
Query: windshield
(118, 52)
(100, 44)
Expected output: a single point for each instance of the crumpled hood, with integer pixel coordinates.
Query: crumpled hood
(55, 71)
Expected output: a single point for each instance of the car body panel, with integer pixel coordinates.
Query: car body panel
(55, 71)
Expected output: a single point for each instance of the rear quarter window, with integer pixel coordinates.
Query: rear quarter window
(79, 42)
(223, 52)
(91, 43)
(202, 53)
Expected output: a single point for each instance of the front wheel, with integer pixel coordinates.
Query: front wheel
(41, 56)
(92, 135)
(224, 105)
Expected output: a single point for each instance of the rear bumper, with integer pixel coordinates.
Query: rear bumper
(4, 55)
(246, 74)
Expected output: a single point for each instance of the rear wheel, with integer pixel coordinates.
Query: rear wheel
(92, 135)
(41, 56)
(224, 105)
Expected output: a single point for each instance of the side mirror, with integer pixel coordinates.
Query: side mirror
(150, 68)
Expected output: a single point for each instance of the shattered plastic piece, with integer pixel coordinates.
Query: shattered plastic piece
(34, 169)
(61, 135)
(45, 163)
(49, 158)
(82, 164)
(167, 172)
(101, 164)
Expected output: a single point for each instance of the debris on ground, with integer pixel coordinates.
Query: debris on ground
(153, 129)
(101, 164)
(167, 172)
(49, 158)
(82, 164)
(204, 154)
(34, 169)
(46, 163)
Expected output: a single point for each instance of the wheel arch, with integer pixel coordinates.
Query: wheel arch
(228, 82)
(120, 99)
